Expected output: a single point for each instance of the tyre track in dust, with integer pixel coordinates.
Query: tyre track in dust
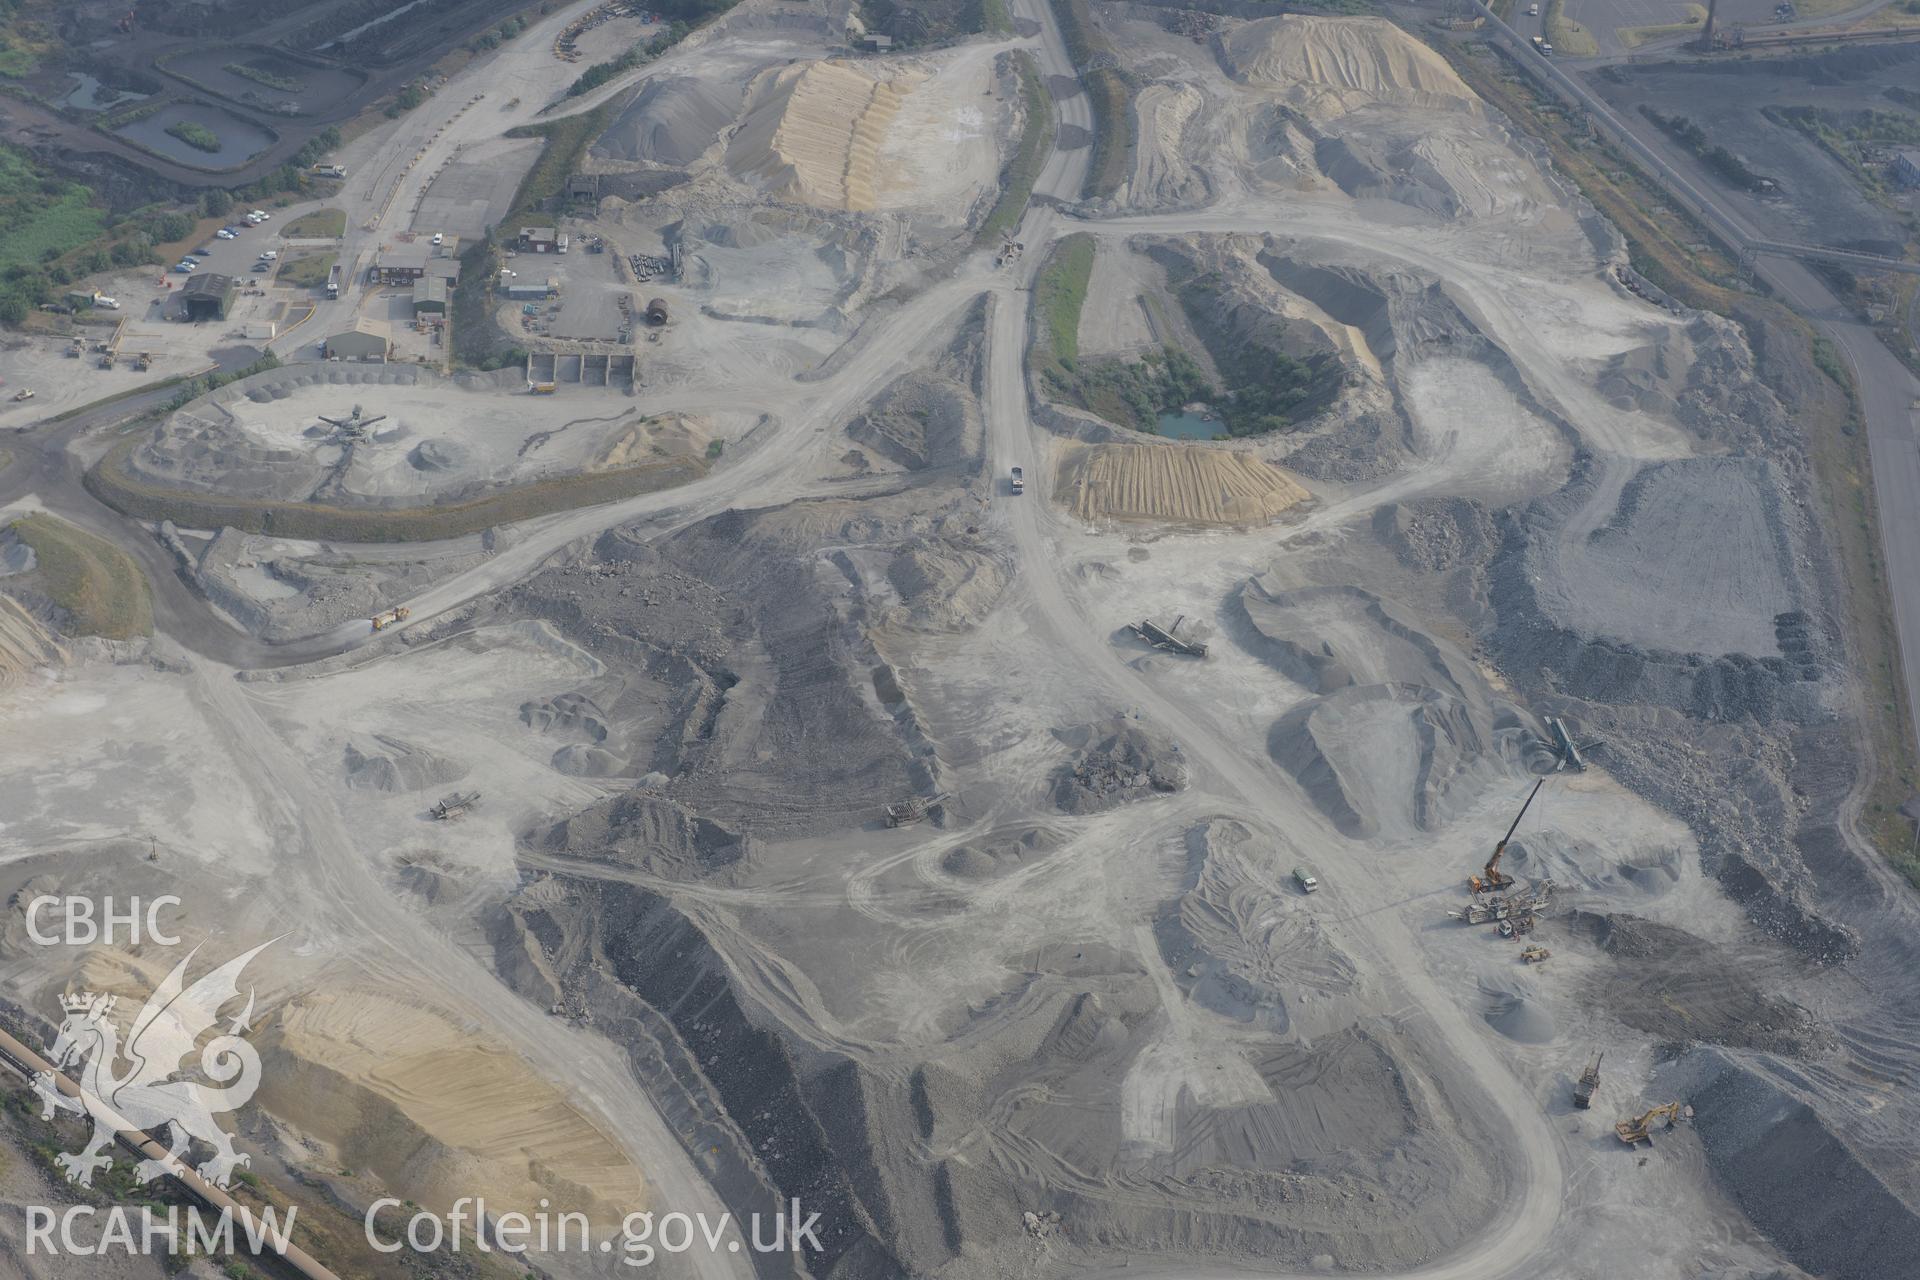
(1537, 1177)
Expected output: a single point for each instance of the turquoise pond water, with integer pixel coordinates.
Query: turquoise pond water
(1191, 426)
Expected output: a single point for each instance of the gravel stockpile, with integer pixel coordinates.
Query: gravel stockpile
(673, 122)
(1828, 1210)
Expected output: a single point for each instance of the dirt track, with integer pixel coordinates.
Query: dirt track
(756, 651)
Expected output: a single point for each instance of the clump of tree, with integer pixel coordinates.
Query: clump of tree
(1134, 393)
(411, 95)
(639, 55)
(197, 136)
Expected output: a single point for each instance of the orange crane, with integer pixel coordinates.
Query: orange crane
(1491, 876)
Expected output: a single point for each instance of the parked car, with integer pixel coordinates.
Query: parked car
(225, 233)
(261, 214)
(268, 255)
(263, 266)
(187, 264)
(102, 300)
(438, 237)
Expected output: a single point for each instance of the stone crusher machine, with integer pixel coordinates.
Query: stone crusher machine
(908, 812)
(1639, 1129)
(1515, 909)
(1491, 876)
(1168, 639)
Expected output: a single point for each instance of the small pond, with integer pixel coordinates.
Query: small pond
(1190, 425)
(278, 85)
(90, 95)
(239, 141)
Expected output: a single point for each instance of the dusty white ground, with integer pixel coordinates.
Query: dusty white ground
(888, 947)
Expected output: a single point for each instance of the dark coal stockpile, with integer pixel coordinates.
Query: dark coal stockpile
(1788, 1169)
(1682, 989)
(770, 720)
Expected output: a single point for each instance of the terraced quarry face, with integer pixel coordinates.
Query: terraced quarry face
(1066, 878)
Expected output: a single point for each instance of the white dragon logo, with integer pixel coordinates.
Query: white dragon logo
(146, 1096)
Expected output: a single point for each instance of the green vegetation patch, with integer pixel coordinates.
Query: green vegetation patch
(1059, 294)
(110, 481)
(97, 585)
(1016, 184)
(1109, 94)
(639, 55)
(42, 219)
(1569, 38)
(1634, 37)
(1129, 393)
(24, 43)
(1266, 389)
(1115, 136)
(197, 136)
(1133, 393)
(321, 224)
(261, 76)
(308, 272)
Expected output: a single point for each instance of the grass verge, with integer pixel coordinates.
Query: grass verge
(1568, 38)
(1109, 93)
(321, 224)
(97, 585)
(110, 482)
(309, 272)
(1059, 294)
(1634, 37)
(1016, 185)
(1668, 248)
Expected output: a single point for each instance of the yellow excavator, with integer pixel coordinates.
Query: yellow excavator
(1491, 876)
(1640, 1128)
